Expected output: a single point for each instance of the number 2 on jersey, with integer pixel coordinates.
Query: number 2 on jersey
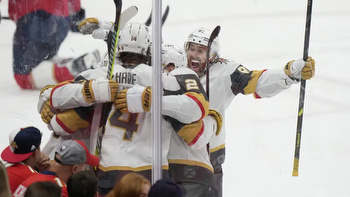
(129, 125)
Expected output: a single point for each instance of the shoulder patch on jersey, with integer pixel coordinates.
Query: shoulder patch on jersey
(220, 61)
(240, 79)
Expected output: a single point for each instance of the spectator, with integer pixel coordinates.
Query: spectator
(23, 155)
(4, 183)
(70, 158)
(43, 189)
(166, 188)
(131, 185)
(82, 184)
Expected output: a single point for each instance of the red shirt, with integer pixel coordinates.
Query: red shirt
(44, 176)
(17, 173)
(19, 8)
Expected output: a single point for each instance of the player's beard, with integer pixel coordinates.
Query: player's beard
(196, 65)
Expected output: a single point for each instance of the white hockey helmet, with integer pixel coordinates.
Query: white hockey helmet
(134, 38)
(173, 54)
(201, 36)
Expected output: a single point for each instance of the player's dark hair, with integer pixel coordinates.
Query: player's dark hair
(133, 58)
(43, 189)
(82, 184)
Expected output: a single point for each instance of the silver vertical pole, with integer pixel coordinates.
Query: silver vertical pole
(156, 89)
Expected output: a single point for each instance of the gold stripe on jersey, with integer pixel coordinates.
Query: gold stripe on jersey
(191, 132)
(70, 121)
(202, 102)
(190, 162)
(128, 168)
(217, 148)
(250, 88)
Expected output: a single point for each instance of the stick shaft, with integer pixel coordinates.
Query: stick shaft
(302, 91)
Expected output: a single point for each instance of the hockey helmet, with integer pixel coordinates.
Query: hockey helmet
(173, 54)
(134, 38)
(201, 36)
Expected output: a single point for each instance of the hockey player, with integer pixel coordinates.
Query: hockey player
(229, 78)
(41, 27)
(188, 156)
(128, 127)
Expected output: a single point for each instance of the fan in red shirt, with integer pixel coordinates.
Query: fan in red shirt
(71, 158)
(23, 155)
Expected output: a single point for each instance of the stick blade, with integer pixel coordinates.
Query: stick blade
(214, 33)
(165, 15)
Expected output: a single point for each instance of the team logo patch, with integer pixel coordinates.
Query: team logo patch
(14, 145)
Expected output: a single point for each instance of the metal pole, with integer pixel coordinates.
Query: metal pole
(156, 106)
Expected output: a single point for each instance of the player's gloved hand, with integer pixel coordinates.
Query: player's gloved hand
(218, 119)
(100, 90)
(299, 69)
(134, 100)
(44, 96)
(99, 28)
(47, 112)
(44, 105)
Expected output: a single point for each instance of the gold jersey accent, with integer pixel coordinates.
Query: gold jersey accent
(72, 121)
(250, 88)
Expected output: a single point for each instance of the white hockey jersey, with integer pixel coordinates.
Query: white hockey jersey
(229, 78)
(127, 145)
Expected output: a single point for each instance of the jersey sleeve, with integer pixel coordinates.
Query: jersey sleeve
(196, 134)
(184, 97)
(69, 121)
(272, 82)
(68, 94)
(73, 6)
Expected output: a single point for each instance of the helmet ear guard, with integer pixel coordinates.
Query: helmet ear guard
(201, 36)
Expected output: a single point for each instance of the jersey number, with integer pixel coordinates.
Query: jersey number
(191, 84)
(129, 126)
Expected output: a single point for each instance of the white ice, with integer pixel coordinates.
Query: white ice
(260, 133)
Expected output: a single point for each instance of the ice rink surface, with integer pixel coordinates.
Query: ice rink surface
(260, 133)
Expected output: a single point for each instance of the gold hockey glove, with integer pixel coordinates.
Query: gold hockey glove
(299, 69)
(134, 100)
(47, 112)
(218, 119)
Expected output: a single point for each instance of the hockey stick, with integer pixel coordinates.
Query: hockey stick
(164, 17)
(213, 35)
(127, 15)
(96, 136)
(302, 91)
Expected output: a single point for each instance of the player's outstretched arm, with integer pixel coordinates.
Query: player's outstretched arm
(273, 81)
